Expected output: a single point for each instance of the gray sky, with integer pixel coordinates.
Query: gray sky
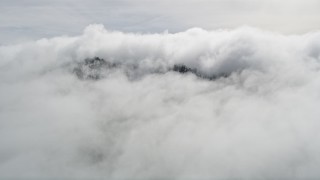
(22, 20)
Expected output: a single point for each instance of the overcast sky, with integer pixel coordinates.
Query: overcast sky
(22, 20)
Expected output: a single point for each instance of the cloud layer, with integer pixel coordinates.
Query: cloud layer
(141, 119)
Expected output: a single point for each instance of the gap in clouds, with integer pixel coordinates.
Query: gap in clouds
(97, 68)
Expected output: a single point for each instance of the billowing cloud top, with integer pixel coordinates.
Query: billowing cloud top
(213, 104)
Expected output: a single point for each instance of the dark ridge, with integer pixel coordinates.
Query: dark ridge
(92, 68)
(97, 68)
(95, 62)
(185, 69)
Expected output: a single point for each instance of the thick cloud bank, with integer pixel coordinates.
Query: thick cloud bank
(116, 105)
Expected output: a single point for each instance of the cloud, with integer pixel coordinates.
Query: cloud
(141, 119)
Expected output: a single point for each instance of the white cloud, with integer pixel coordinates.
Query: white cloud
(261, 121)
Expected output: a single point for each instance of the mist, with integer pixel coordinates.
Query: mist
(131, 114)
